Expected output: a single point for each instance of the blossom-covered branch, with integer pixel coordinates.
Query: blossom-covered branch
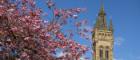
(24, 35)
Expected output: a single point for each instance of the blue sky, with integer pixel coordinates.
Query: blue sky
(126, 22)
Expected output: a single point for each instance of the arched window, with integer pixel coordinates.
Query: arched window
(101, 53)
(107, 53)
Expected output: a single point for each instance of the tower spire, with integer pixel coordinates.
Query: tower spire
(102, 12)
(111, 25)
(101, 19)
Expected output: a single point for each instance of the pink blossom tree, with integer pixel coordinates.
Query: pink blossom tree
(24, 35)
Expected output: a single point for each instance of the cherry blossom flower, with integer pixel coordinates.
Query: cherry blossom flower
(56, 12)
(14, 29)
(24, 54)
(23, 30)
(26, 38)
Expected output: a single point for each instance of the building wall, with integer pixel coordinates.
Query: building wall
(103, 39)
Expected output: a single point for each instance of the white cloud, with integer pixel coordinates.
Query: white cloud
(119, 41)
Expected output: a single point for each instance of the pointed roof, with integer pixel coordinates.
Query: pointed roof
(101, 19)
(102, 12)
(111, 25)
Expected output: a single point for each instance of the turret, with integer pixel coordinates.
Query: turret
(111, 26)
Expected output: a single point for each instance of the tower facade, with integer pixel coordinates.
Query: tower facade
(102, 38)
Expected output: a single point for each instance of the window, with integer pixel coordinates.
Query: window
(101, 53)
(107, 53)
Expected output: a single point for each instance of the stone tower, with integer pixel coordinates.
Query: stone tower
(102, 38)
